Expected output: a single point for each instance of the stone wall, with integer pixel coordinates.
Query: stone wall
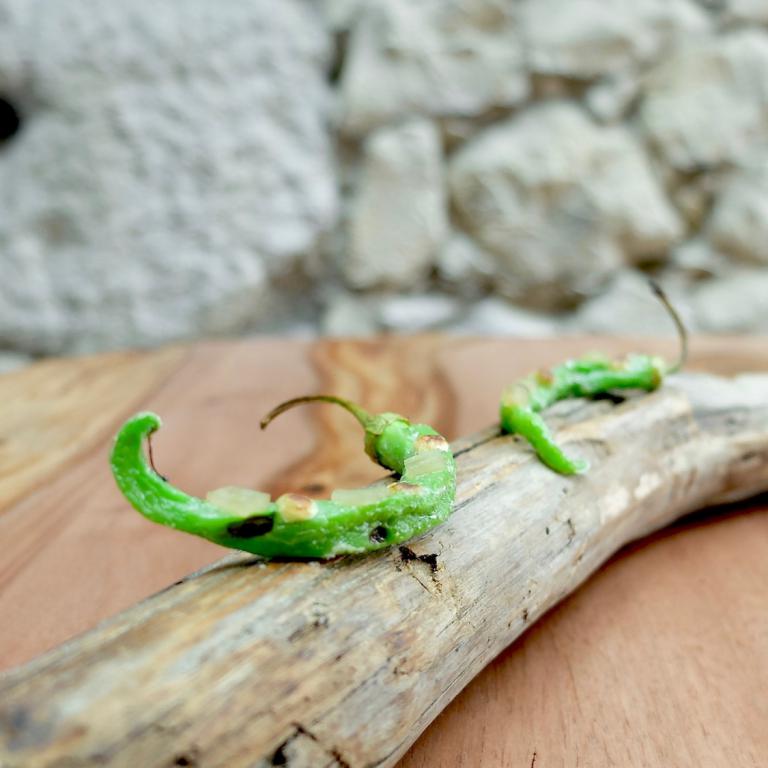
(353, 166)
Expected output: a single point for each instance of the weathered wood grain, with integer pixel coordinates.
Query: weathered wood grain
(659, 660)
(344, 664)
(42, 423)
(74, 553)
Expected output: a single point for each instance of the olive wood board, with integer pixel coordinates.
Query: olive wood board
(660, 659)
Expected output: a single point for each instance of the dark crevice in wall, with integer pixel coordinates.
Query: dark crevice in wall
(10, 119)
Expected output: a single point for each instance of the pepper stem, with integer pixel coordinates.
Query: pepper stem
(682, 332)
(365, 418)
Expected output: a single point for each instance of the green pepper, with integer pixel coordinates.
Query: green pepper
(522, 403)
(293, 525)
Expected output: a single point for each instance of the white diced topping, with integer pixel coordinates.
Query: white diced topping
(239, 501)
(359, 497)
(425, 463)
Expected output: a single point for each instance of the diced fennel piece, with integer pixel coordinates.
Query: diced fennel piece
(426, 463)
(360, 497)
(239, 501)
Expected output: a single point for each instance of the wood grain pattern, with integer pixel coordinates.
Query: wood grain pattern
(377, 374)
(658, 660)
(42, 428)
(72, 555)
(47, 584)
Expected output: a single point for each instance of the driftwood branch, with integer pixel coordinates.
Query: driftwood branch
(344, 664)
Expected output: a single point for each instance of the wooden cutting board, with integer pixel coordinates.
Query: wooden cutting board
(660, 660)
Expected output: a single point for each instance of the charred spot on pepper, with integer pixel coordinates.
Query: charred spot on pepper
(251, 527)
(378, 534)
(611, 397)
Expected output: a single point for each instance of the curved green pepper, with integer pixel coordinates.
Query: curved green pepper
(297, 526)
(522, 403)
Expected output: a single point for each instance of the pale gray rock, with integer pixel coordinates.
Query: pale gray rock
(707, 104)
(464, 265)
(493, 316)
(173, 160)
(411, 313)
(176, 173)
(697, 259)
(611, 96)
(588, 38)
(693, 193)
(398, 217)
(560, 202)
(628, 306)
(364, 314)
(431, 57)
(338, 14)
(737, 303)
(715, 7)
(745, 11)
(738, 224)
(456, 130)
(12, 361)
(349, 315)
(300, 330)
